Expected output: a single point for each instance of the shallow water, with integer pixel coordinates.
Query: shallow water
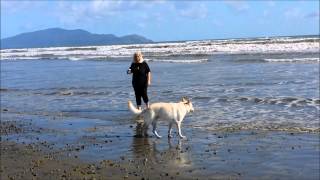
(229, 92)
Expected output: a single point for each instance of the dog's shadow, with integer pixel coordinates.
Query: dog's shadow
(169, 151)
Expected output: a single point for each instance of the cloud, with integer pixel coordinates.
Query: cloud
(141, 25)
(195, 12)
(313, 15)
(266, 13)
(70, 13)
(188, 9)
(293, 13)
(16, 6)
(298, 14)
(99, 7)
(271, 3)
(144, 13)
(238, 5)
(73, 12)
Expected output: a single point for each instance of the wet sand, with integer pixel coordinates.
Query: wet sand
(58, 146)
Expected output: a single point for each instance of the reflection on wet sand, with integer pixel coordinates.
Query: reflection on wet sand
(166, 151)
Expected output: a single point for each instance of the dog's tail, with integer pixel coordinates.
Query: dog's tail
(133, 109)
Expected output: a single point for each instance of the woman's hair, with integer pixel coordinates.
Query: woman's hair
(137, 57)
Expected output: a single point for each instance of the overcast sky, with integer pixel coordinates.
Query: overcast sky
(163, 20)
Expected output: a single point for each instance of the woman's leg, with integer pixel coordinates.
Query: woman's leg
(138, 95)
(145, 96)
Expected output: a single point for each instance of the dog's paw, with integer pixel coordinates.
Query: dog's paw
(158, 137)
(170, 136)
(183, 137)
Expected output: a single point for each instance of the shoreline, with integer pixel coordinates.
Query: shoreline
(93, 149)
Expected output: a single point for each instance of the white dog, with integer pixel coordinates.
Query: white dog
(174, 113)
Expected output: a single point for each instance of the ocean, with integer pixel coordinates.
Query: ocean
(267, 84)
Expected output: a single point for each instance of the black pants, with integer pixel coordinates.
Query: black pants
(141, 91)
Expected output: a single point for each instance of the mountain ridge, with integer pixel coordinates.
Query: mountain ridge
(57, 37)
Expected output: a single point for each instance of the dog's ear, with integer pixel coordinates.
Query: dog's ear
(188, 101)
(185, 100)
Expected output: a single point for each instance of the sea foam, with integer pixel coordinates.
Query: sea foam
(170, 49)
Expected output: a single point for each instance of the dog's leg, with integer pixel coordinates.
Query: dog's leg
(154, 124)
(179, 130)
(169, 131)
(148, 118)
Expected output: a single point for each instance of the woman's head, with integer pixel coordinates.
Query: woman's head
(138, 57)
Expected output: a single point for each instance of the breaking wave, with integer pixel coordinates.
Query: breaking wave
(179, 60)
(294, 60)
(285, 101)
(288, 101)
(171, 49)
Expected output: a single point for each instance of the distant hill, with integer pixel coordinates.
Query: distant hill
(55, 37)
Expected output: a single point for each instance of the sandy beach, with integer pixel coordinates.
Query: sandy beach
(34, 149)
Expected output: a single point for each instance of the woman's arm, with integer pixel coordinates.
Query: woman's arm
(149, 78)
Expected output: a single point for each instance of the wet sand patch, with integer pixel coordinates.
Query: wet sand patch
(67, 148)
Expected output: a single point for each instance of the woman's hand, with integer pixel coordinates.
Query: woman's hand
(149, 78)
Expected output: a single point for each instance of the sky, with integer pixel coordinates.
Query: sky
(165, 20)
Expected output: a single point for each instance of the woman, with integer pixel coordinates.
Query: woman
(141, 78)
